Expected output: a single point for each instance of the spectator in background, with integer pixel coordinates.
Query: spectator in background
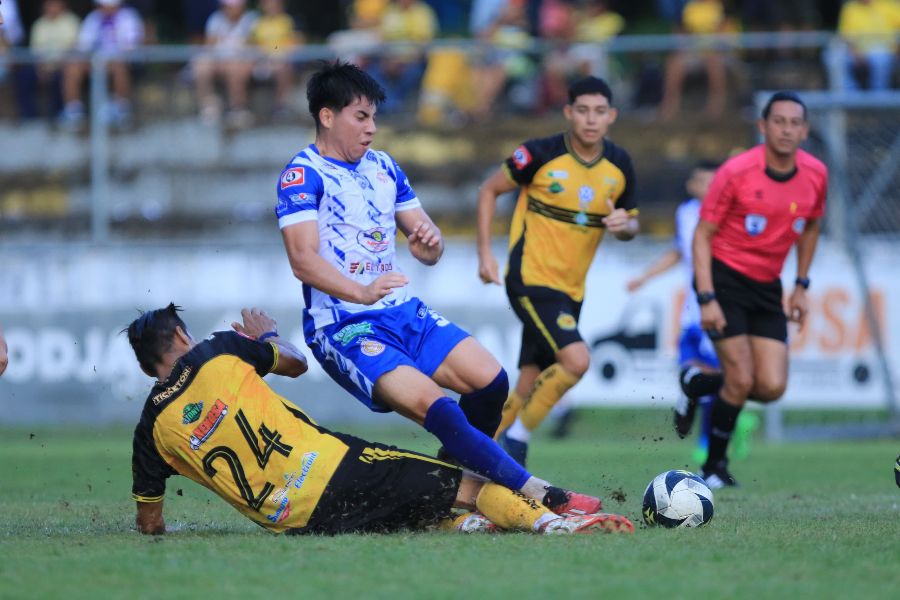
(275, 33)
(112, 29)
(13, 34)
(363, 38)
(399, 68)
(53, 36)
(228, 35)
(195, 14)
(870, 28)
(699, 17)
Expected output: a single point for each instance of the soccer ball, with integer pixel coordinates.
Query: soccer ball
(678, 499)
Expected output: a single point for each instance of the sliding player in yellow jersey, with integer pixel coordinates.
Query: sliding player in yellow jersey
(211, 418)
(573, 187)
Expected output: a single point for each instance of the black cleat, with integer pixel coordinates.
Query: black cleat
(683, 415)
(717, 476)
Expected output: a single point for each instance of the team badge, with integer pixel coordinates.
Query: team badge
(566, 322)
(209, 424)
(521, 157)
(799, 225)
(755, 224)
(293, 176)
(375, 239)
(556, 187)
(371, 347)
(191, 413)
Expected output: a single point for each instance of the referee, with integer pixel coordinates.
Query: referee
(761, 203)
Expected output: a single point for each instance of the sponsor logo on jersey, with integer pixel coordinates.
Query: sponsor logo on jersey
(291, 481)
(371, 347)
(293, 176)
(362, 180)
(209, 424)
(755, 224)
(556, 187)
(566, 322)
(191, 413)
(173, 389)
(382, 177)
(422, 312)
(585, 194)
(375, 239)
(299, 197)
(793, 208)
(521, 157)
(581, 219)
(799, 225)
(282, 511)
(350, 332)
(558, 174)
(360, 267)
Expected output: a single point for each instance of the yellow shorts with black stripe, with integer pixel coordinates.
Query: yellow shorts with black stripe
(549, 322)
(380, 488)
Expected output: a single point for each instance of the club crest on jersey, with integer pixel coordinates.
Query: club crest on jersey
(191, 413)
(521, 157)
(375, 239)
(755, 224)
(370, 347)
(585, 194)
(293, 176)
(566, 322)
(348, 333)
(209, 424)
(799, 225)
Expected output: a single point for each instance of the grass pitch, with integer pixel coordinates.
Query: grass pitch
(811, 521)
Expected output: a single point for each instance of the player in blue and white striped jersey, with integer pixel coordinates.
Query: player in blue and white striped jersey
(340, 204)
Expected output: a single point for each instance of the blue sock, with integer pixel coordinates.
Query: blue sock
(483, 408)
(473, 449)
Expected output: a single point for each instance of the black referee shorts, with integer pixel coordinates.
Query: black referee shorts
(549, 322)
(751, 307)
(381, 489)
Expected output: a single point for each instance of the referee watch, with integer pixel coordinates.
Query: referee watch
(802, 282)
(705, 297)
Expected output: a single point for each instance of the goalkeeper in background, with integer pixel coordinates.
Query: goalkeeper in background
(211, 417)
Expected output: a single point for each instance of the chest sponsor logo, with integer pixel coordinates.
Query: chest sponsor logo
(793, 208)
(191, 413)
(585, 194)
(350, 332)
(558, 174)
(375, 239)
(365, 266)
(799, 225)
(566, 322)
(556, 187)
(755, 224)
(371, 347)
(293, 176)
(291, 481)
(521, 157)
(209, 424)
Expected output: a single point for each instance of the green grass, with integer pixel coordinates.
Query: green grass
(811, 520)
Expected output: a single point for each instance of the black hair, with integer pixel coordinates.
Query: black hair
(590, 85)
(338, 84)
(783, 96)
(151, 335)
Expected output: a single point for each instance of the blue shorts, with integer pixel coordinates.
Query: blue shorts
(695, 346)
(358, 350)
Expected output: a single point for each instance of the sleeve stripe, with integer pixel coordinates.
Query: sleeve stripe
(148, 499)
(408, 204)
(634, 212)
(297, 217)
(277, 355)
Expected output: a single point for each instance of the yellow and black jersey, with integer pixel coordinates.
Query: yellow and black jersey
(557, 223)
(214, 420)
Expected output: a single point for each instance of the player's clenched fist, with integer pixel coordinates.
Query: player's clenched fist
(712, 319)
(488, 270)
(381, 287)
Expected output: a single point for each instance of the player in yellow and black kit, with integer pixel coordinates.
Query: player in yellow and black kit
(211, 418)
(573, 187)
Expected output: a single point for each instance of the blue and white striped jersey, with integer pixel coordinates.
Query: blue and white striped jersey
(354, 206)
(687, 216)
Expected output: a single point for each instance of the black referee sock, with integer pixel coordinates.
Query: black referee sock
(696, 384)
(722, 421)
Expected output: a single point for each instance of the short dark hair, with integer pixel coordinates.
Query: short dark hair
(338, 84)
(151, 335)
(589, 85)
(783, 96)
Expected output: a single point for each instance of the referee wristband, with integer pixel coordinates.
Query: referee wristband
(267, 335)
(802, 282)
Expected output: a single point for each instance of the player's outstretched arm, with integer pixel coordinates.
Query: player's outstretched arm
(426, 243)
(302, 244)
(488, 192)
(291, 362)
(663, 264)
(150, 518)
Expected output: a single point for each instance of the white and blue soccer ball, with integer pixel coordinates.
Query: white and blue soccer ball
(678, 499)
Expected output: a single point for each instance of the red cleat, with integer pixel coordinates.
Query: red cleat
(564, 502)
(598, 523)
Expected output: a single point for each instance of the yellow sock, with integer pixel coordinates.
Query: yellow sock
(511, 409)
(511, 510)
(549, 387)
